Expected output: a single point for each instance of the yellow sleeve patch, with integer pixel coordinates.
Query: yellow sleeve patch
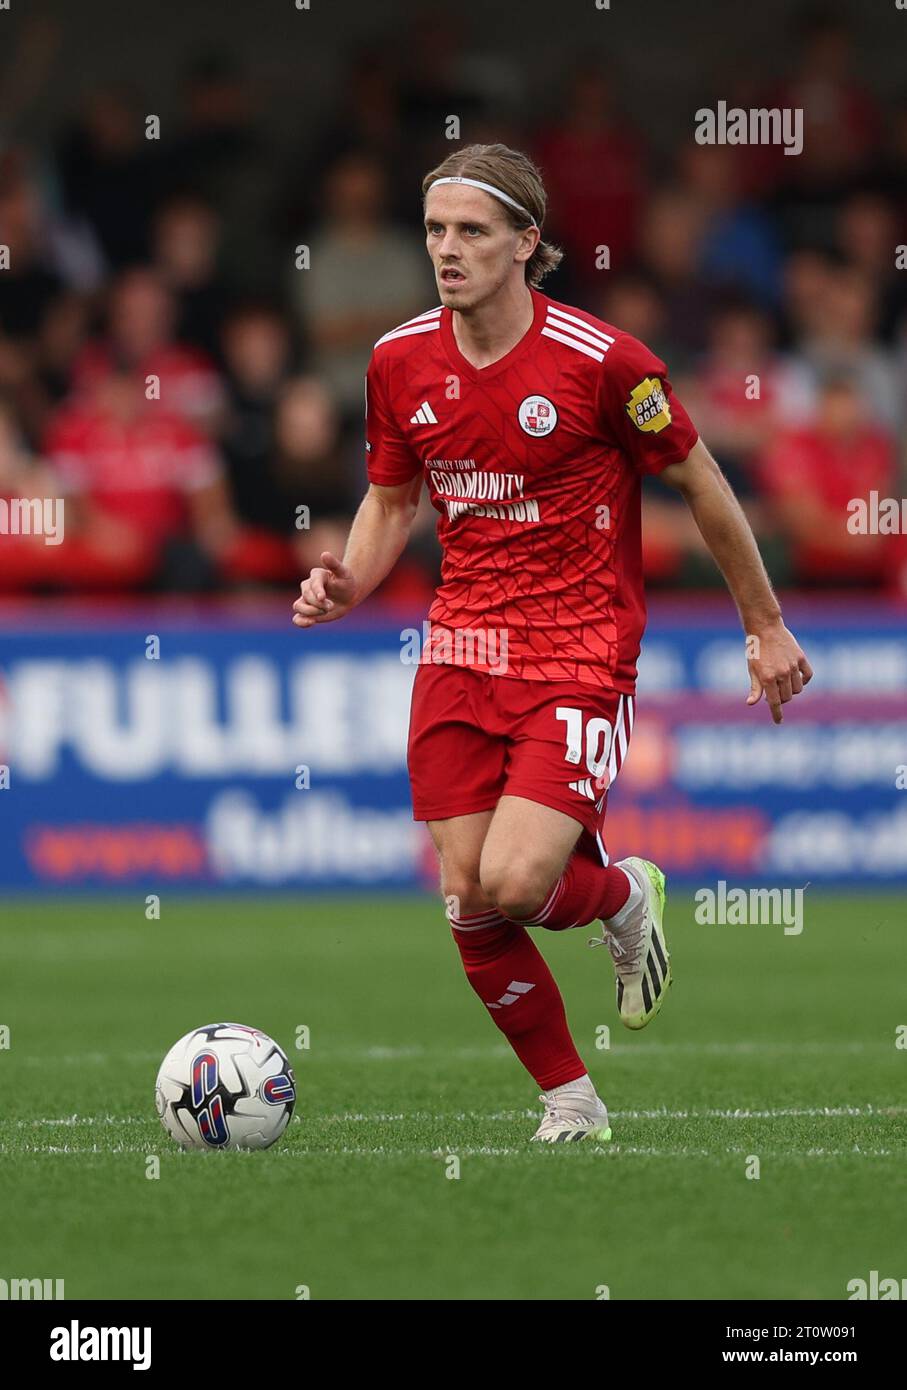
(648, 406)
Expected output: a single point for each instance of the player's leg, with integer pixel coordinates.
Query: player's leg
(527, 849)
(458, 750)
(509, 973)
(528, 869)
(627, 898)
(458, 841)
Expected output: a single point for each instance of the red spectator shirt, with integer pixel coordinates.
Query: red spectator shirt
(139, 470)
(534, 464)
(586, 202)
(810, 463)
(189, 383)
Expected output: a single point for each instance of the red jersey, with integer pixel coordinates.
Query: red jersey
(534, 464)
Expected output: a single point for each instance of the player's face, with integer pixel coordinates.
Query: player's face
(474, 249)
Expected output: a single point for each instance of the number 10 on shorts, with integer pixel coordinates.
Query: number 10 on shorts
(598, 732)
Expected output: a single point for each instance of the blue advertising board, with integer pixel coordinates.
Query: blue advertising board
(156, 748)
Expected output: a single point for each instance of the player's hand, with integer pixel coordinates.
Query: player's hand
(778, 669)
(328, 594)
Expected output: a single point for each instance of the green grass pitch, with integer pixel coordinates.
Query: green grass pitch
(779, 1047)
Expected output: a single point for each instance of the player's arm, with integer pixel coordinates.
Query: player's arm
(377, 538)
(778, 667)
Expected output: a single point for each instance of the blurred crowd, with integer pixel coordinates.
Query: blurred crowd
(197, 398)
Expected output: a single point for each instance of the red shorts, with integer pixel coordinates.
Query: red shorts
(475, 737)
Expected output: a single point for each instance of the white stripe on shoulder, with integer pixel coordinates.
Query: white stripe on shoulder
(429, 314)
(427, 327)
(571, 319)
(587, 335)
(575, 344)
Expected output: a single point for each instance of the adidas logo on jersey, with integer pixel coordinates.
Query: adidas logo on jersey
(424, 415)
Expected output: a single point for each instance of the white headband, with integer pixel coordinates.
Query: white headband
(488, 188)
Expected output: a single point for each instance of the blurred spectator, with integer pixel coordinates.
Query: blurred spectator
(111, 175)
(25, 560)
(842, 128)
(888, 171)
(257, 353)
(185, 252)
(668, 254)
(65, 330)
(37, 380)
(145, 495)
(123, 270)
(215, 135)
(256, 348)
(311, 471)
(32, 281)
(32, 291)
(632, 303)
(738, 246)
(28, 561)
(808, 274)
(368, 121)
(29, 53)
(220, 155)
(594, 167)
(811, 474)
(734, 394)
(841, 122)
(22, 474)
(867, 236)
(291, 482)
(366, 276)
(140, 339)
(839, 338)
(433, 86)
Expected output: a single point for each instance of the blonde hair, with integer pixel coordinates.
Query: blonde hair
(514, 174)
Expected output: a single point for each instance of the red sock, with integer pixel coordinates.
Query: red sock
(585, 892)
(511, 978)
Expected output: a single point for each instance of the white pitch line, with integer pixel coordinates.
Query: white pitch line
(88, 1059)
(782, 1112)
(623, 1050)
(608, 1147)
(831, 1112)
(612, 1150)
(786, 1112)
(752, 1047)
(85, 1120)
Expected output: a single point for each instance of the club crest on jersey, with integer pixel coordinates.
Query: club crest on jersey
(537, 416)
(648, 406)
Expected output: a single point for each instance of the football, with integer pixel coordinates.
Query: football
(225, 1086)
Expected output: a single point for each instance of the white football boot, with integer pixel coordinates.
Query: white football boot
(636, 940)
(572, 1112)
